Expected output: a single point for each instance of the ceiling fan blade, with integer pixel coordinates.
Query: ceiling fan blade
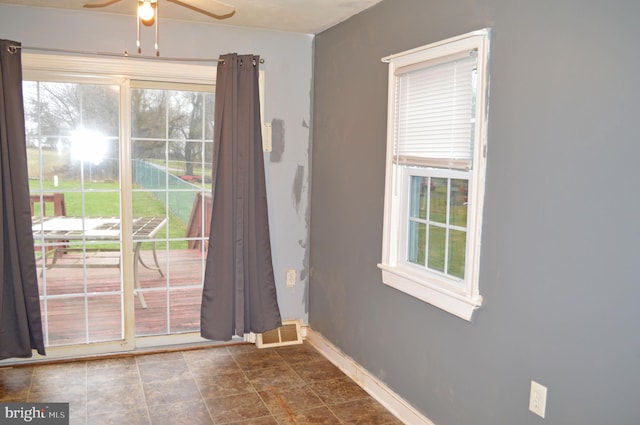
(98, 3)
(213, 8)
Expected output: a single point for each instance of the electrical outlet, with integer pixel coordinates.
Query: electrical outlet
(291, 278)
(538, 399)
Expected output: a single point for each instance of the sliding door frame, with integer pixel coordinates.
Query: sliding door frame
(121, 72)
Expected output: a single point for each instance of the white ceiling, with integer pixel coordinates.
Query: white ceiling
(301, 16)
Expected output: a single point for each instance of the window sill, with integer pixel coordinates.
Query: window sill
(456, 303)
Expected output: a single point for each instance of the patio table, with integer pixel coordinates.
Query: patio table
(98, 229)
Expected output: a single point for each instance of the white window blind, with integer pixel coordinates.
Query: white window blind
(434, 113)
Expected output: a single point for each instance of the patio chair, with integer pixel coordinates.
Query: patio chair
(56, 201)
(195, 227)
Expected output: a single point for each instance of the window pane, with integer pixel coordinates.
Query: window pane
(65, 320)
(417, 242)
(99, 107)
(187, 160)
(456, 260)
(149, 203)
(102, 203)
(419, 196)
(148, 116)
(184, 306)
(438, 207)
(105, 317)
(209, 105)
(180, 208)
(458, 202)
(186, 115)
(437, 238)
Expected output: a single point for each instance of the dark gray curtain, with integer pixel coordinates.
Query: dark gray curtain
(239, 294)
(20, 321)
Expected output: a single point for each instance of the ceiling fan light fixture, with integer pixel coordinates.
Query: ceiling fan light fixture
(146, 12)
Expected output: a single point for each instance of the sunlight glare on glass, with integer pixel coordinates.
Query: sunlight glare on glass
(88, 146)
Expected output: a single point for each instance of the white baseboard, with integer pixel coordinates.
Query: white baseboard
(372, 385)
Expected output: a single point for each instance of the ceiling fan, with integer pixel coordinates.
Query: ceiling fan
(148, 11)
(213, 8)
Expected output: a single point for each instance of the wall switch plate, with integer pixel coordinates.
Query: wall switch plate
(267, 144)
(291, 278)
(538, 399)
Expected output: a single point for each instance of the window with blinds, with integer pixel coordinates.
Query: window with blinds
(434, 188)
(434, 112)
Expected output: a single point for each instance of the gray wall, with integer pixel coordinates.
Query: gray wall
(560, 235)
(288, 66)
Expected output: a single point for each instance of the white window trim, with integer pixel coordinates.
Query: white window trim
(460, 300)
(134, 69)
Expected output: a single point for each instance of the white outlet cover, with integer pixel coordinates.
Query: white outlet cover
(538, 399)
(291, 278)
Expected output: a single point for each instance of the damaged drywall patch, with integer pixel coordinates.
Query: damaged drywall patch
(303, 272)
(303, 276)
(277, 140)
(296, 190)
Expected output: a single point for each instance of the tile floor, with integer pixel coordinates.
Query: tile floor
(236, 384)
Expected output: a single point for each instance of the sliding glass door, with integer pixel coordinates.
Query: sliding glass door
(120, 174)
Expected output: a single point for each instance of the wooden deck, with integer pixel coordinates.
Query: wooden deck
(83, 305)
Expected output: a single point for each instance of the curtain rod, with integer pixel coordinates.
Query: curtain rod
(13, 49)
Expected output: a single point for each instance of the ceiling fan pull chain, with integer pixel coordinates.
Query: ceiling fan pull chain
(157, 24)
(138, 34)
